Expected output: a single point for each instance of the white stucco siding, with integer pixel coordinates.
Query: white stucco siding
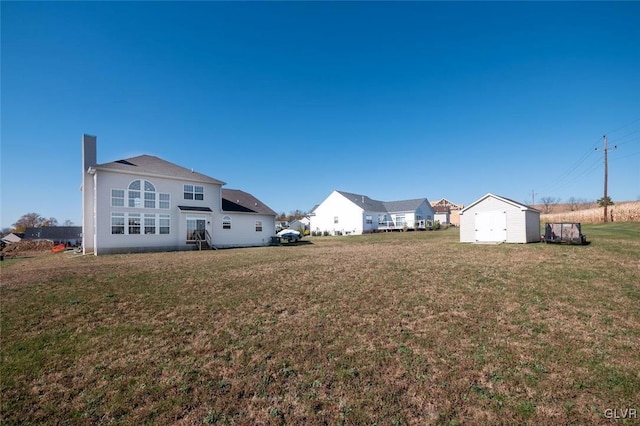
(243, 230)
(338, 214)
(106, 242)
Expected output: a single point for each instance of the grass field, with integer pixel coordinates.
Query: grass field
(406, 328)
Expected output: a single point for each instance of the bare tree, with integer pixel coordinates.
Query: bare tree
(573, 203)
(549, 203)
(67, 223)
(33, 220)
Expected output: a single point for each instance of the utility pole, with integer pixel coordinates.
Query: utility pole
(533, 198)
(605, 199)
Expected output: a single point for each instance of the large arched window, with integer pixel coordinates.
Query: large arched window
(140, 194)
(140, 190)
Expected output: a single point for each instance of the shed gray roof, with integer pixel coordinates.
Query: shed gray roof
(521, 206)
(151, 165)
(235, 200)
(370, 204)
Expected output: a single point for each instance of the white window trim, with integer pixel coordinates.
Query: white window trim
(157, 218)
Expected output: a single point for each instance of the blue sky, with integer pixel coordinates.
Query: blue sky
(291, 100)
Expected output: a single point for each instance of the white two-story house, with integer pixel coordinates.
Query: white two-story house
(145, 203)
(343, 213)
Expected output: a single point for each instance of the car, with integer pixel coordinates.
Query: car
(290, 235)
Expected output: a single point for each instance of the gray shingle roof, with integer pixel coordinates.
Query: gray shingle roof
(370, 204)
(404, 205)
(504, 199)
(240, 201)
(363, 201)
(149, 164)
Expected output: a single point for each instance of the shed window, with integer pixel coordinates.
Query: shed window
(258, 226)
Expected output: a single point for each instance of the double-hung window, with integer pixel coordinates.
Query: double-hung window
(164, 201)
(117, 223)
(165, 224)
(117, 198)
(258, 226)
(226, 222)
(149, 224)
(193, 192)
(134, 223)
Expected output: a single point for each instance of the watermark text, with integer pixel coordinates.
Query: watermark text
(621, 413)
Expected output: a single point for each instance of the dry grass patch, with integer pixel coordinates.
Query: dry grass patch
(411, 328)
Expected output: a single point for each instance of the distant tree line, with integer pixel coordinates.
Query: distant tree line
(293, 215)
(33, 220)
(548, 203)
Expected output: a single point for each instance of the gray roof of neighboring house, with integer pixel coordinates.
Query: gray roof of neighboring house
(53, 233)
(149, 164)
(404, 205)
(369, 204)
(364, 202)
(235, 200)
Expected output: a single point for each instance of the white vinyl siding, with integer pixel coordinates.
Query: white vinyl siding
(495, 219)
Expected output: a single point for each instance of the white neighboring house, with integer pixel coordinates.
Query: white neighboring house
(302, 223)
(343, 213)
(145, 203)
(13, 237)
(496, 219)
(442, 215)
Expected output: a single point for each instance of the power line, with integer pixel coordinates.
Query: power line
(569, 176)
(623, 127)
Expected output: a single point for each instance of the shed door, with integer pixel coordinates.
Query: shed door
(491, 226)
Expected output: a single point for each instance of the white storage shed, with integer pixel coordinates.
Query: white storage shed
(495, 219)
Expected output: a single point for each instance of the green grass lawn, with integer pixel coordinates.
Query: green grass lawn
(399, 328)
